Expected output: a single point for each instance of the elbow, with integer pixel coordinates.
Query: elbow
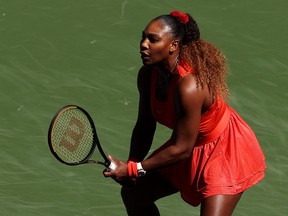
(184, 152)
(184, 145)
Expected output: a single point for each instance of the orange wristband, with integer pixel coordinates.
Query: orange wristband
(132, 169)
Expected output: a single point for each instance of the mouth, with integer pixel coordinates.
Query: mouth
(144, 55)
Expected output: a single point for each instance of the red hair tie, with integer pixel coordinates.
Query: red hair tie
(182, 17)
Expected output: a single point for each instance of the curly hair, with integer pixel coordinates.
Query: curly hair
(209, 64)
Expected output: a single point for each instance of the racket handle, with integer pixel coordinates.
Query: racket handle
(112, 165)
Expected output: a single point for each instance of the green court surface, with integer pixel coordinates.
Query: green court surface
(58, 52)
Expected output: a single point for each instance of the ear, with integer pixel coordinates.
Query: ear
(174, 46)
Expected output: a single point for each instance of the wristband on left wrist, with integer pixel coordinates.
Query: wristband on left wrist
(140, 170)
(135, 169)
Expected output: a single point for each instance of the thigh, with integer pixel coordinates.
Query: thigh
(219, 205)
(147, 190)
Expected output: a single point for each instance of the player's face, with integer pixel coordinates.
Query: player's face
(155, 43)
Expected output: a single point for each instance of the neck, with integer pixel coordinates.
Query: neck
(171, 65)
(174, 65)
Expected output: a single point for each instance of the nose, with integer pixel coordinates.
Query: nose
(144, 44)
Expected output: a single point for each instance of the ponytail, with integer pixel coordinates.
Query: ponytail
(190, 27)
(208, 63)
(192, 32)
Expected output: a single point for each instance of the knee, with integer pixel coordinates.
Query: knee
(136, 203)
(134, 198)
(130, 200)
(129, 196)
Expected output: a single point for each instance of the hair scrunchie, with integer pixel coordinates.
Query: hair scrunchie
(182, 17)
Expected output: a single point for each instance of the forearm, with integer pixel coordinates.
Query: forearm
(166, 156)
(141, 141)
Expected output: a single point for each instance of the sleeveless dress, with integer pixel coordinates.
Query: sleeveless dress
(226, 158)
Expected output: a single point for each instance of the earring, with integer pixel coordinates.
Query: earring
(171, 51)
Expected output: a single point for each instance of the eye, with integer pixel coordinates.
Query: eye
(143, 36)
(153, 39)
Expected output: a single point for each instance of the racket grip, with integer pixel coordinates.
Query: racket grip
(112, 165)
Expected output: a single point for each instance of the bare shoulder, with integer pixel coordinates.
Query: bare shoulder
(188, 87)
(189, 93)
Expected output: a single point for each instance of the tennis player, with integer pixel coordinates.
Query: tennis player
(212, 155)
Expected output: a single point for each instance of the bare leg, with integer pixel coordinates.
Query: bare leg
(139, 199)
(219, 205)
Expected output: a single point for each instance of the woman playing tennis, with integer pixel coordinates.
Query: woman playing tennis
(212, 156)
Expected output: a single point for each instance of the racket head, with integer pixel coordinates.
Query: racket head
(72, 135)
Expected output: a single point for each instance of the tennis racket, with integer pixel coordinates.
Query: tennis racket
(72, 137)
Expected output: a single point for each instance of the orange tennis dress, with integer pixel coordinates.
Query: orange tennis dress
(226, 159)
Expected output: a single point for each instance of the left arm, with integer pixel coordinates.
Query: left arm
(189, 103)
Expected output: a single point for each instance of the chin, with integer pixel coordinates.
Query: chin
(147, 62)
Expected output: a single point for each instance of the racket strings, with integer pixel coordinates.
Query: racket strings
(73, 136)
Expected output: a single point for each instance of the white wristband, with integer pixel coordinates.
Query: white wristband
(141, 171)
(139, 166)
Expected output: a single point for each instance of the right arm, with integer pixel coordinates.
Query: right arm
(143, 132)
(144, 129)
